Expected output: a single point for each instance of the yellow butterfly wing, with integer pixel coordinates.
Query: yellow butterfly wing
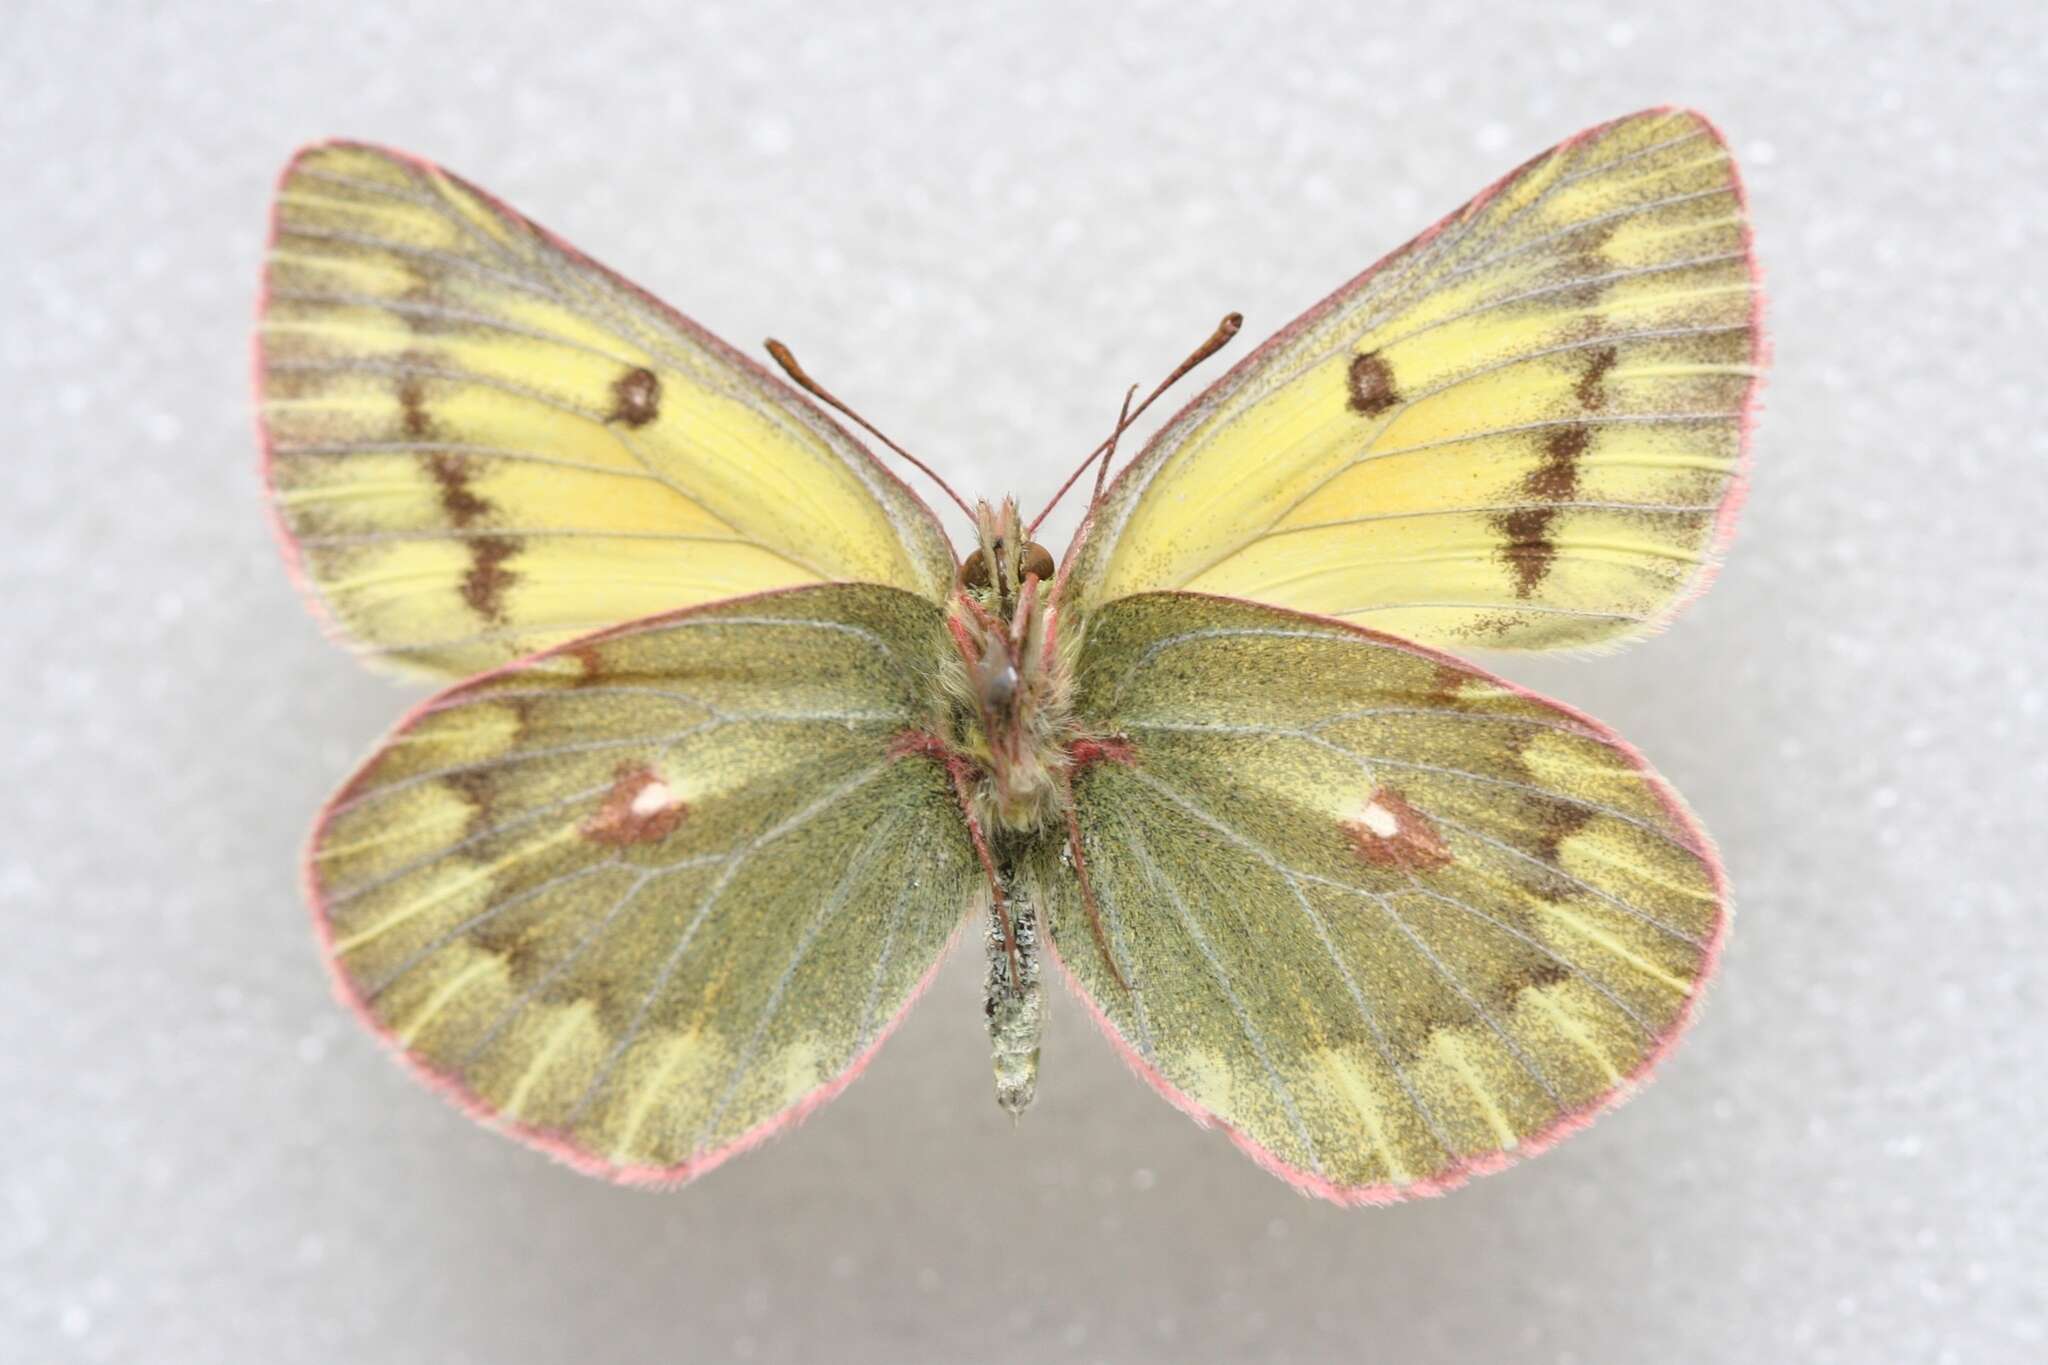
(646, 898)
(481, 442)
(1390, 920)
(1523, 430)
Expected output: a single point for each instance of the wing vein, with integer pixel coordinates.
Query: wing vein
(1252, 1036)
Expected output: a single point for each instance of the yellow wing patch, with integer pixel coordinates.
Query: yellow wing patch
(483, 443)
(1522, 430)
(1391, 920)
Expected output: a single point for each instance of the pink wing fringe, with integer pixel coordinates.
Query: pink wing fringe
(452, 1088)
(1702, 845)
(287, 544)
(294, 559)
(556, 1145)
(1759, 351)
(1564, 1125)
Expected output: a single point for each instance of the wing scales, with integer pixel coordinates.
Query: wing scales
(1522, 430)
(1389, 919)
(647, 897)
(483, 443)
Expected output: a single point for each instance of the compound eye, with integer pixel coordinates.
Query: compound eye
(974, 570)
(1038, 562)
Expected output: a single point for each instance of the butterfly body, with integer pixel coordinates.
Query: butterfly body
(746, 743)
(1011, 692)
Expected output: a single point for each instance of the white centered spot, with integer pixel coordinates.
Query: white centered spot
(1382, 822)
(653, 799)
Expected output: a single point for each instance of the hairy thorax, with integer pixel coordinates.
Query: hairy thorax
(1007, 683)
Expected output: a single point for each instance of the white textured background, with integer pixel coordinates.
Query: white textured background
(981, 226)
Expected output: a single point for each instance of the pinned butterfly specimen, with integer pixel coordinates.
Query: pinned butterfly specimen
(748, 743)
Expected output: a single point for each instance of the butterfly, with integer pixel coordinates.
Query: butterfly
(744, 744)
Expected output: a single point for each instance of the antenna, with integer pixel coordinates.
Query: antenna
(787, 360)
(1123, 419)
(1218, 339)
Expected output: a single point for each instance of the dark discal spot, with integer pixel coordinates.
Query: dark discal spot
(452, 472)
(1372, 384)
(1597, 365)
(636, 398)
(639, 809)
(483, 587)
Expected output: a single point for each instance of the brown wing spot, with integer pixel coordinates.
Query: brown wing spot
(639, 809)
(1557, 478)
(1560, 821)
(1446, 681)
(477, 791)
(421, 319)
(412, 405)
(1389, 833)
(483, 587)
(458, 499)
(1589, 391)
(1530, 552)
(1372, 384)
(636, 398)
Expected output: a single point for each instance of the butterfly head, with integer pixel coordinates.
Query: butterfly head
(995, 570)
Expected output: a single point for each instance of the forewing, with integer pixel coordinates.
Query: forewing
(646, 898)
(481, 442)
(1391, 920)
(1523, 430)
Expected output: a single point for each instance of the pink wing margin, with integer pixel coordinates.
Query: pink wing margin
(1690, 831)
(452, 1088)
(1732, 500)
(752, 370)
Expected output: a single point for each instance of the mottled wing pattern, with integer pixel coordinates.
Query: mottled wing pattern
(481, 442)
(1390, 919)
(645, 898)
(1523, 430)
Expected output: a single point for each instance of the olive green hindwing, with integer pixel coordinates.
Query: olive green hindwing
(1389, 918)
(647, 896)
